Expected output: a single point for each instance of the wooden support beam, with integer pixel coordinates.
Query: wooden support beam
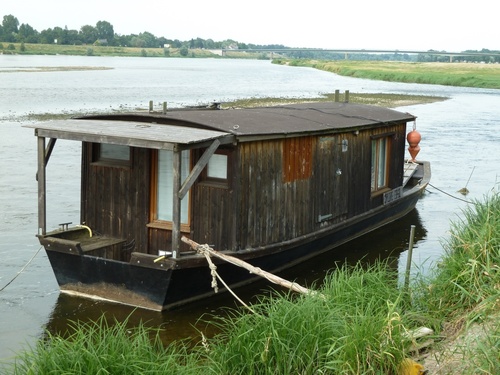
(41, 177)
(198, 168)
(50, 148)
(176, 207)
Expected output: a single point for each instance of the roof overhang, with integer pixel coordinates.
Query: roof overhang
(130, 133)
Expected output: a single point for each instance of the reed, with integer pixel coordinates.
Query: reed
(467, 280)
(359, 328)
(103, 348)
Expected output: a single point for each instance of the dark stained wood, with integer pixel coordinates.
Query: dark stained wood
(277, 190)
(42, 193)
(115, 200)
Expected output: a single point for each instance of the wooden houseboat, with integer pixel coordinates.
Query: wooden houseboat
(272, 186)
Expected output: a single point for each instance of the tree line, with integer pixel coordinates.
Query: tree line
(103, 33)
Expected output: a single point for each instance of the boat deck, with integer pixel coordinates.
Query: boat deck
(409, 170)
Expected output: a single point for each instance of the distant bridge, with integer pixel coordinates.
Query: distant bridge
(346, 52)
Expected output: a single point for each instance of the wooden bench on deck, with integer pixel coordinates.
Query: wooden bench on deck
(78, 241)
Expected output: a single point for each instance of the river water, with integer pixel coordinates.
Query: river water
(460, 137)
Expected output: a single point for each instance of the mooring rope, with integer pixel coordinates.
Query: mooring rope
(204, 249)
(450, 195)
(22, 269)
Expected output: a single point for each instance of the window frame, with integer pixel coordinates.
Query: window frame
(98, 160)
(205, 179)
(154, 222)
(377, 188)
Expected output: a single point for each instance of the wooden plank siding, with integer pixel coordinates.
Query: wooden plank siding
(277, 190)
(285, 195)
(115, 199)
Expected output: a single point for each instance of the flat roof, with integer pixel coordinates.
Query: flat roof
(292, 119)
(196, 127)
(130, 133)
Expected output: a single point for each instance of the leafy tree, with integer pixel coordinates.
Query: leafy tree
(88, 34)
(122, 40)
(175, 43)
(10, 26)
(184, 51)
(60, 35)
(137, 41)
(47, 36)
(105, 31)
(149, 40)
(73, 37)
(162, 41)
(210, 44)
(27, 34)
(197, 43)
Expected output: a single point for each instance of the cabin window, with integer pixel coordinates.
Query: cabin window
(217, 167)
(379, 163)
(162, 195)
(216, 172)
(106, 153)
(114, 152)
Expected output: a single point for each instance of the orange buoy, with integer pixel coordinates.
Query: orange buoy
(413, 139)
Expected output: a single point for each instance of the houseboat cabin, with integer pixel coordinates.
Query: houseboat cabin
(272, 186)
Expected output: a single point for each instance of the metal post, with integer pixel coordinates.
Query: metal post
(410, 254)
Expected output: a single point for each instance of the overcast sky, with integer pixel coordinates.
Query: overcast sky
(447, 25)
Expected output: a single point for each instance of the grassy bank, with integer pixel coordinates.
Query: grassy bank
(363, 326)
(449, 74)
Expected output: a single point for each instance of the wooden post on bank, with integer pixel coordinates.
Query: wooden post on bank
(410, 254)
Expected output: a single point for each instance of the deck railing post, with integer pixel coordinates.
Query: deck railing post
(176, 207)
(41, 177)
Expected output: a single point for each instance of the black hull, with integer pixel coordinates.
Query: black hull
(148, 285)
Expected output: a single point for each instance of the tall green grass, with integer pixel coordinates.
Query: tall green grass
(467, 280)
(359, 328)
(103, 348)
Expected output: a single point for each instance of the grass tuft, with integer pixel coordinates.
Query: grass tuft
(102, 348)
